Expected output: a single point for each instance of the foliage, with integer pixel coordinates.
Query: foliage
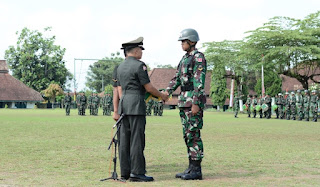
(102, 71)
(52, 92)
(290, 46)
(166, 66)
(272, 84)
(218, 86)
(37, 61)
(108, 89)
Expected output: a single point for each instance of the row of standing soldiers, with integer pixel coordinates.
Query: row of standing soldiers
(93, 103)
(157, 107)
(286, 107)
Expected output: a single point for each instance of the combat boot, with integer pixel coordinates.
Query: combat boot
(195, 173)
(179, 175)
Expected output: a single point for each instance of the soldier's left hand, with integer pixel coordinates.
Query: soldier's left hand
(195, 109)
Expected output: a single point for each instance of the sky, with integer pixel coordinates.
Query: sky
(95, 29)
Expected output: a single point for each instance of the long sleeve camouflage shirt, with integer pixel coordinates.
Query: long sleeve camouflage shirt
(191, 72)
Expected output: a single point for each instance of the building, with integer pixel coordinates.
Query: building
(14, 93)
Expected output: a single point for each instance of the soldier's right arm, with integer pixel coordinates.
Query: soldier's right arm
(175, 81)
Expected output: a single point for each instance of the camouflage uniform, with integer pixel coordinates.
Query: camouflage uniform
(299, 103)
(67, 101)
(254, 103)
(261, 101)
(149, 107)
(95, 104)
(190, 75)
(236, 106)
(160, 108)
(78, 103)
(267, 101)
(314, 106)
(83, 103)
(155, 108)
(293, 106)
(248, 103)
(287, 106)
(306, 105)
(277, 101)
(280, 102)
(108, 102)
(90, 103)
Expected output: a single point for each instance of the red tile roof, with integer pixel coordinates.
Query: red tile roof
(13, 90)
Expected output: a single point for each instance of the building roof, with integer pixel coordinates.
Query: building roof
(13, 90)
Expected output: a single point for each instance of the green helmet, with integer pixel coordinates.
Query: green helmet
(189, 34)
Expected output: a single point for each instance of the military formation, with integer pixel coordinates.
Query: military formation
(157, 107)
(93, 103)
(299, 105)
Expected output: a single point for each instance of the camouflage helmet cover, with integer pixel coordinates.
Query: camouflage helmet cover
(189, 34)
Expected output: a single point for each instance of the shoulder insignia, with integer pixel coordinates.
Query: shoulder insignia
(144, 68)
(200, 68)
(114, 80)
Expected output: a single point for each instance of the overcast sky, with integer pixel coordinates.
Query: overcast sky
(97, 28)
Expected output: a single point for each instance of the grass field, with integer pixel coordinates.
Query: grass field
(46, 148)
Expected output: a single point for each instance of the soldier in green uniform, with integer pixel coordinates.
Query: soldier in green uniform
(149, 107)
(261, 102)
(299, 103)
(133, 82)
(95, 104)
(254, 103)
(293, 106)
(306, 105)
(190, 75)
(155, 108)
(287, 105)
(280, 102)
(160, 108)
(67, 102)
(277, 101)
(236, 106)
(314, 105)
(108, 102)
(267, 101)
(78, 103)
(248, 103)
(90, 103)
(83, 104)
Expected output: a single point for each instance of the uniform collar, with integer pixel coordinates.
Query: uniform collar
(191, 53)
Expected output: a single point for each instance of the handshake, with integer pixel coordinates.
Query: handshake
(164, 95)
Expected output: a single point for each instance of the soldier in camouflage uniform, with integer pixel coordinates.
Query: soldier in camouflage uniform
(90, 103)
(261, 102)
(306, 105)
(149, 107)
(160, 108)
(277, 101)
(108, 101)
(280, 103)
(287, 105)
(299, 103)
(190, 75)
(78, 103)
(254, 103)
(83, 104)
(314, 105)
(267, 101)
(67, 102)
(292, 106)
(95, 104)
(248, 103)
(155, 108)
(236, 106)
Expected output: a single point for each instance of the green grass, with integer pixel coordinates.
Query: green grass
(46, 148)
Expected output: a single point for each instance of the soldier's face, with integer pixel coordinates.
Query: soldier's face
(138, 53)
(184, 44)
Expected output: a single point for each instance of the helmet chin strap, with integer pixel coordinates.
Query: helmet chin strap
(190, 46)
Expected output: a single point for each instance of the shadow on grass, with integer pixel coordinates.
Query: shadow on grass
(167, 171)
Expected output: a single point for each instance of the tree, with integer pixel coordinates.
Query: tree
(37, 61)
(290, 46)
(100, 73)
(166, 66)
(218, 88)
(272, 83)
(109, 89)
(52, 92)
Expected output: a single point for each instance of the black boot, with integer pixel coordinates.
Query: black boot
(179, 175)
(195, 172)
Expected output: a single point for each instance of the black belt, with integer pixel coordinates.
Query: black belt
(187, 88)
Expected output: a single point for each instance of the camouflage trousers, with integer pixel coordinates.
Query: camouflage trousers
(306, 112)
(300, 111)
(313, 110)
(236, 110)
(191, 125)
